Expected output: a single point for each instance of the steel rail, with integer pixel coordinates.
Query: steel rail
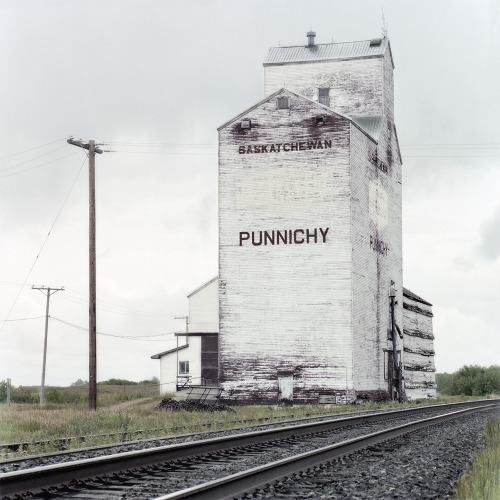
(314, 418)
(36, 478)
(247, 481)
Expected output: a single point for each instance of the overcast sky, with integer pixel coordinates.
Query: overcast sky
(153, 80)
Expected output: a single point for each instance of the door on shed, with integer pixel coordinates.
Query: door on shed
(285, 387)
(209, 360)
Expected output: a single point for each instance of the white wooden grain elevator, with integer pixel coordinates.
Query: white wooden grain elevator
(310, 236)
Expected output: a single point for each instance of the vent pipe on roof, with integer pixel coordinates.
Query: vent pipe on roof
(310, 38)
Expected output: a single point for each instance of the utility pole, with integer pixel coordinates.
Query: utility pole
(92, 272)
(50, 291)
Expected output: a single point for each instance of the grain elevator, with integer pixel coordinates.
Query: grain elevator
(311, 296)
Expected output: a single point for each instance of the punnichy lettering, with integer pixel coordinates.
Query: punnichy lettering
(379, 246)
(284, 237)
(378, 163)
(285, 146)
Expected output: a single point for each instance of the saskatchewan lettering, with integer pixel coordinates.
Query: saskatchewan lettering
(285, 146)
(283, 237)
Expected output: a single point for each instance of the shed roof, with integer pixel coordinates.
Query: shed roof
(414, 296)
(170, 351)
(327, 52)
(201, 287)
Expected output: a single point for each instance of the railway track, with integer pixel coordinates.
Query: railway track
(239, 461)
(63, 444)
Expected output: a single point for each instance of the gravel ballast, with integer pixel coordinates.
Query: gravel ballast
(424, 464)
(169, 404)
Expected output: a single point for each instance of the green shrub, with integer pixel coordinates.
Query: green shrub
(473, 380)
(117, 381)
(56, 395)
(23, 395)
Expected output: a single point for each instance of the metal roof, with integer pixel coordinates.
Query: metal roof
(370, 124)
(414, 296)
(170, 351)
(325, 52)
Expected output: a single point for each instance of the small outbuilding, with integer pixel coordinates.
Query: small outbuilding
(194, 361)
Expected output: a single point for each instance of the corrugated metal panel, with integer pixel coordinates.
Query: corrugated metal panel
(414, 296)
(327, 51)
(370, 124)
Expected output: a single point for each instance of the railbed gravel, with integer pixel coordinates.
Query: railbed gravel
(423, 464)
(22, 463)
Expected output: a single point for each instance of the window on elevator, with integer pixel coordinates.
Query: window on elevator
(283, 103)
(324, 96)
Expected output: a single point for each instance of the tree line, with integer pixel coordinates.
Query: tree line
(23, 394)
(472, 380)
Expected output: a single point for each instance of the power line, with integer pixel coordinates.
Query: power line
(41, 248)
(449, 156)
(22, 319)
(163, 152)
(31, 149)
(38, 166)
(14, 283)
(76, 292)
(125, 311)
(32, 159)
(124, 337)
(158, 144)
(452, 144)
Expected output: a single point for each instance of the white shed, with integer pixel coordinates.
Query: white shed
(195, 359)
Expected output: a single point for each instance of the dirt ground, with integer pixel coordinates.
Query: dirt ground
(133, 403)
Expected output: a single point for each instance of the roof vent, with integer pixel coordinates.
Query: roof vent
(375, 41)
(310, 38)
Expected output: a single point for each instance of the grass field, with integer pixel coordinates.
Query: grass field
(483, 479)
(31, 423)
(106, 394)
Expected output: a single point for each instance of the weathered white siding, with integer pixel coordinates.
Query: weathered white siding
(168, 373)
(319, 311)
(377, 259)
(203, 317)
(419, 368)
(204, 308)
(356, 85)
(190, 350)
(285, 307)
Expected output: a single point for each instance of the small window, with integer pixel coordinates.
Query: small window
(183, 367)
(282, 103)
(320, 120)
(324, 96)
(246, 124)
